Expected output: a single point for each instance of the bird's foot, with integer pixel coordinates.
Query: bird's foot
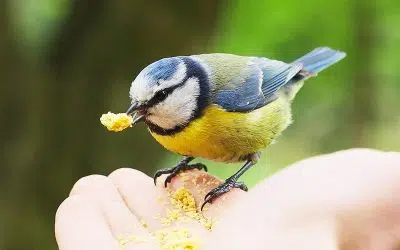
(172, 172)
(222, 189)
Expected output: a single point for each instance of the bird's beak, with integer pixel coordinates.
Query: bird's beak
(134, 106)
(137, 116)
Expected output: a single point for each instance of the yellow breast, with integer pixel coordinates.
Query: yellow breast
(229, 136)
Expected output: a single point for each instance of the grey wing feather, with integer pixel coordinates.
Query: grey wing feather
(277, 74)
(264, 78)
(246, 92)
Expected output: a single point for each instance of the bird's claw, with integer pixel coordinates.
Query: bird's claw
(201, 166)
(176, 170)
(222, 189)
(174, 173)
(161, 172)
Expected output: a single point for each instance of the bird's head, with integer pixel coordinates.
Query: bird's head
(166, 93)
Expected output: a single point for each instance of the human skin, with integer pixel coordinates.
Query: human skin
(346, 200)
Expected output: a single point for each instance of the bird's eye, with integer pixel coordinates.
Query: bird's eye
(160, 96)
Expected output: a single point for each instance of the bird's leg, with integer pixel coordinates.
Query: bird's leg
(183, 165)
(231, 182)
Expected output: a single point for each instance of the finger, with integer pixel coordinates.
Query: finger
(189, 189)
(181, 203)
(331, 180)
(326, 184)
(80, 224)
(154, 205)
(124, 225)
(199, 183)
(350, 191)
(338, 181)
(140, 195)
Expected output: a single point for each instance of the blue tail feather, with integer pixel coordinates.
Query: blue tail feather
(320, 59)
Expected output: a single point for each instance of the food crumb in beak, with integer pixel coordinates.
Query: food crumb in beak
(116, 122)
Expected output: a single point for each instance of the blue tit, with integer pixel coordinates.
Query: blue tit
(221, 107)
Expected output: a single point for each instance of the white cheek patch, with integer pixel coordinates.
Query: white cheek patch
(178, 108)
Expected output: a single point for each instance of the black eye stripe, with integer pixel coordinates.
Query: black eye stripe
(161, 95)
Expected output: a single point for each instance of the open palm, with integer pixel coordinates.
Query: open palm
(345, 200)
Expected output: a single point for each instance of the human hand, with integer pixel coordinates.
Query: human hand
(345, 200)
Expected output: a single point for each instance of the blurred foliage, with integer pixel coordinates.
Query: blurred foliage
(63, 63)
(353, 103)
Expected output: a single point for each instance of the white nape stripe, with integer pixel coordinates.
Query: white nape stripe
(178, 108)
(142, 89)
(210, 73)
(177, 78)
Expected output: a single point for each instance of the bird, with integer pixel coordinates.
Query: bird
(222, 107)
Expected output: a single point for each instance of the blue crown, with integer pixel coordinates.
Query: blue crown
(162, 69)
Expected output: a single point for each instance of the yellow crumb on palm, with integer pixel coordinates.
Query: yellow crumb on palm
(208, 224)
(176, 239)
(144, 223)
(123, 241)
(183, 177)
(184, 210)
(183, 199)
(172, 215)
(116, 122)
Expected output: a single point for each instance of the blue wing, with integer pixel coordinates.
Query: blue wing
(262, 78)
(320, 59)
(257, 85)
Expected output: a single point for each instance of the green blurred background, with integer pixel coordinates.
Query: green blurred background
(64, 63)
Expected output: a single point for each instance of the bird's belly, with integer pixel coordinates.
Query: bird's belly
(229, 136)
